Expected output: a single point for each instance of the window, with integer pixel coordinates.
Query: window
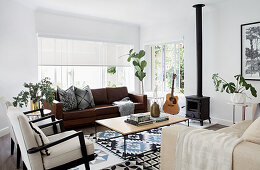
(166, 60)
(78, 62)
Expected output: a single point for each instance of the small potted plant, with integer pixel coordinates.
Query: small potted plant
(236, 89)
(36, 94)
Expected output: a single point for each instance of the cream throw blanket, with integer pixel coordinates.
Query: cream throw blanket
(201, 149)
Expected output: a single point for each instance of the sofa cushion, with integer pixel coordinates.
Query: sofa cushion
(84, 98)
(242, 125)
(252, 133)
(66, 151)
(68, 98)
(231, 131)
(255, 111)
(106, 109)
(139, 106)
(78, 114)
(116, 94)
(100, 96)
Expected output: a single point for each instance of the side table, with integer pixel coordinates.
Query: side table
(243, 105)
(37, 114)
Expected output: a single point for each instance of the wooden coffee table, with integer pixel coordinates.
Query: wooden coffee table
(119, 125)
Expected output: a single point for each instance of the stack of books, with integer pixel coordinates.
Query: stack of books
(139, 119)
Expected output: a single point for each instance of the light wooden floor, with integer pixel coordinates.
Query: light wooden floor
(8, 161)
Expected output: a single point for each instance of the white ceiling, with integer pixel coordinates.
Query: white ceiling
(142, 12)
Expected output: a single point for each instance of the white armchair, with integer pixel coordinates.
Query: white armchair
(4, 104)
(67, 149)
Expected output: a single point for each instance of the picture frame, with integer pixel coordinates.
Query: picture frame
(250, 51)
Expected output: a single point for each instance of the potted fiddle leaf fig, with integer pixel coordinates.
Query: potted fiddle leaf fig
(236, 88)
(36, 94)
(139, 65)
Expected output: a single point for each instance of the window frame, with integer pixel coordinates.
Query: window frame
(163, 63)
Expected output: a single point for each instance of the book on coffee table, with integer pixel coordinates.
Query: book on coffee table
(138, 123)
(162, 117)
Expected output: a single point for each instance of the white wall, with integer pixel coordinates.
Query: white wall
(221, 50)
(18, 61)
(18, 41)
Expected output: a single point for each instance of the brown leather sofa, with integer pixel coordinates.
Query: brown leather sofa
(103, 109)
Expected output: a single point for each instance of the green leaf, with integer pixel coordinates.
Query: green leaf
(253, 91)
(143, 64)
(130, 52)
(141, 54)
(129, 59)
(135, 63)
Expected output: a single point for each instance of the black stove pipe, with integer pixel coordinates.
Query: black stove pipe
(199, 47)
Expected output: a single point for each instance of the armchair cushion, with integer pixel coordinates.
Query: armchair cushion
(40, 137)
(48, 130)
(252, 133)
(66, 151)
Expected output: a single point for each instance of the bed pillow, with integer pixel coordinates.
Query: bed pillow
(68, 98)
(252, 133)
(84, 98)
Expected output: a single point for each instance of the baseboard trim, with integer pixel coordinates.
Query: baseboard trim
(4, 131)
(221, 121)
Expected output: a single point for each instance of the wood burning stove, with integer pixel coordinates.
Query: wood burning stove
(198, 106)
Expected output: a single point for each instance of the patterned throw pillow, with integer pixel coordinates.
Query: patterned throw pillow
(84, 98)
(68, 98)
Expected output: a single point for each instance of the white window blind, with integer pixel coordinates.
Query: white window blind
(69, 52)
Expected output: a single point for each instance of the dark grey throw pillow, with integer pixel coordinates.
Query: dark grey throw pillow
(68, 98)
(84, 98)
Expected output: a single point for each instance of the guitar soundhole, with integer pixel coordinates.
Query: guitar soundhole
(173, 100)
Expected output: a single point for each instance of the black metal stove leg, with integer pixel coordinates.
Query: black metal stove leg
(209, 121)
(201, 123)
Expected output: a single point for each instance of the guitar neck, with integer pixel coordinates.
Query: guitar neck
(172, 92)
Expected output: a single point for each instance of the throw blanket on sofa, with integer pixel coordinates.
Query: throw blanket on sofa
(125, 106)
(201, 149)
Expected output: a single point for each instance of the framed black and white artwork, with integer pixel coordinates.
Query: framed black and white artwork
(250, 51)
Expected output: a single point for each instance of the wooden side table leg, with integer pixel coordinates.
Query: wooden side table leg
(234, 109)
(243, 113)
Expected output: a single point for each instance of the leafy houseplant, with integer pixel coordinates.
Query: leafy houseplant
(139, 64)
(111, 70)
(111, 77)
(236, 88)
(36, 93)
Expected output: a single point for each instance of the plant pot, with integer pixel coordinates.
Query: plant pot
(35, 105)
(238, 98)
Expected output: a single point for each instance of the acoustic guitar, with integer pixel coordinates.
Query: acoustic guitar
(171, 104)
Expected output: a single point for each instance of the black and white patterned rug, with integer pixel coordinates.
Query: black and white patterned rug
(135, 144)
(139, 144)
